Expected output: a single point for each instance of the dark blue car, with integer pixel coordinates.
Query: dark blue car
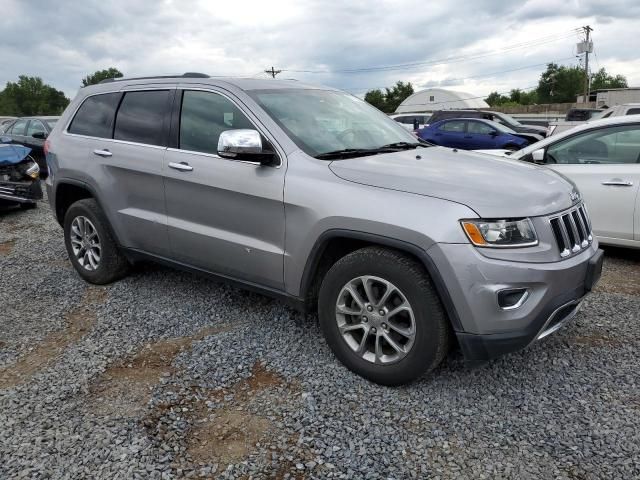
(474, 134)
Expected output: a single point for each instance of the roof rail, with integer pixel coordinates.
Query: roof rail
(184, 75)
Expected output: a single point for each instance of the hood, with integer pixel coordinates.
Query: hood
(11, 154)
(533, 129)
(491, 186)
(530, 137)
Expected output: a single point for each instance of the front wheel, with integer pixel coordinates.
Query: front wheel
(381, 316)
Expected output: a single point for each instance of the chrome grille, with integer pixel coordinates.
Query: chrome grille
(572, 230)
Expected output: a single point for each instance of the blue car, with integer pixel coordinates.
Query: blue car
(475, 134)
(19, 175)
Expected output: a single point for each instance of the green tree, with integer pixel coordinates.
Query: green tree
(560, 84)
(31, 96)
(495, 99)
(602, 80)
(97, 77)
(375, 98)
(391, 98)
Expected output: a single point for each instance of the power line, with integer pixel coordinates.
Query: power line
(474, 76)
(455, 59)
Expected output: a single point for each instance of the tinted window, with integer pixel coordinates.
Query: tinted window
(479, 128)
(95, 116)
(18, 127)
(633, 111)
(141, 116)
(607, 145)
(204, 117)
(455, 126)
(35, 126)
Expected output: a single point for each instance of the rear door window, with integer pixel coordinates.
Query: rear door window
(18, 127)
(141, 117)
(95, 116)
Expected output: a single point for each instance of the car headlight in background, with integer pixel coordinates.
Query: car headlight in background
(500, 233)
(33, 171)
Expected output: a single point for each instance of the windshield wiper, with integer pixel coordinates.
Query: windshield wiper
(405, 145)
(354, 152)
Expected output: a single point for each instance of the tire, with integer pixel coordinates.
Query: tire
(28, 206)
(112, 264)
(431, 337)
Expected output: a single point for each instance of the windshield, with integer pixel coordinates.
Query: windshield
(51, 123)
(507, 120)
(323, 121)
(503, 128)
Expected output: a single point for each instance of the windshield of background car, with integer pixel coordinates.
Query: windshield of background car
(51, 123)
(507, 120)
(501, 127)
(321, 121)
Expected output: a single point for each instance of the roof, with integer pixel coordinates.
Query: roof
(203, 79)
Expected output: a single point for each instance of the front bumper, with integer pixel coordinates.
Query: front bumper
(21, 192)
(555, 291)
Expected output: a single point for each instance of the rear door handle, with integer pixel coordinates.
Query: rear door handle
(103, 153)
(182, 166)
(618, 183)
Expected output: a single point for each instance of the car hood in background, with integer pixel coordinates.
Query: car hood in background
(11, 154)
(533, 129)
(493, 187)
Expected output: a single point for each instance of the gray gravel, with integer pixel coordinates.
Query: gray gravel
(166, 374)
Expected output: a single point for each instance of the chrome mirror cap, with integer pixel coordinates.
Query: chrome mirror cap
(238, 142)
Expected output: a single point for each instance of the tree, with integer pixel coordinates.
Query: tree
(495, 99)
(391, 98)
(602, 80)
(560, 84)
(31, 96)
(100, 75)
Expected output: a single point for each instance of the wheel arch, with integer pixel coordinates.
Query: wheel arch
(336, 243)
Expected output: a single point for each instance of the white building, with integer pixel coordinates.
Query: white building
(433, 99)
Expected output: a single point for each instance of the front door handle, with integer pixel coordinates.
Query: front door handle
(182, 166)
(618, 183)
(102, 153)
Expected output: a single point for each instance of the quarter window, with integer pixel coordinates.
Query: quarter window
(614, 145)
(204, 116)
(141, 116)
(95, 116)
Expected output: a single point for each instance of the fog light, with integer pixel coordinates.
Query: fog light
(512, 298)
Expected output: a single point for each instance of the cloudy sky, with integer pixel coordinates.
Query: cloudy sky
(478, 46)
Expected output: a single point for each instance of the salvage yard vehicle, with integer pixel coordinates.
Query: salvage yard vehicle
(498, 117)
(310, 194)
(472, 133)
(555, 128)
(32, 133)
(19, 175)
(603, 158)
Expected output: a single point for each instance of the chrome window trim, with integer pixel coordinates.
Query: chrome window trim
(218, 157)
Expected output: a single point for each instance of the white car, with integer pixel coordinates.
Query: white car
(602, 157)
(407, 120)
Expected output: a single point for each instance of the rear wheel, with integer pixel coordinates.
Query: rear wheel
(92, 249)
(381, 316)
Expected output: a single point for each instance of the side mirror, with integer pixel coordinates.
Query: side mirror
(244, 145)
(5, 139)
(40, 135)
(494, 133)
(538, 156)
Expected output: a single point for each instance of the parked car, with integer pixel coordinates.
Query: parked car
(603, 158)
(19, 175)
(502, 118)
(4, 122)
(32, 133)
(410, 120)
(310, 194)
(555, 128)
(471, 134)
(583, 114)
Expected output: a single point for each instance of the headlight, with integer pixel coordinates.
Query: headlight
(500, 233)
(33, 171)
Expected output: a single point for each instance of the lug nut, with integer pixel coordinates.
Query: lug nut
(384, 325)
(373, 329)
(365, 319)
(370, 308)
(381, 312)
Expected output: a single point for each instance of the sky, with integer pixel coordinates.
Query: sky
(475, 46)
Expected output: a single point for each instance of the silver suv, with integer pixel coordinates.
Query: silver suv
(311, 195)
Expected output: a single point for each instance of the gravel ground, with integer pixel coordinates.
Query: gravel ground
(166, 375)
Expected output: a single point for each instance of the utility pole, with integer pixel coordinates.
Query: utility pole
(587, 51)
(273, 72)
